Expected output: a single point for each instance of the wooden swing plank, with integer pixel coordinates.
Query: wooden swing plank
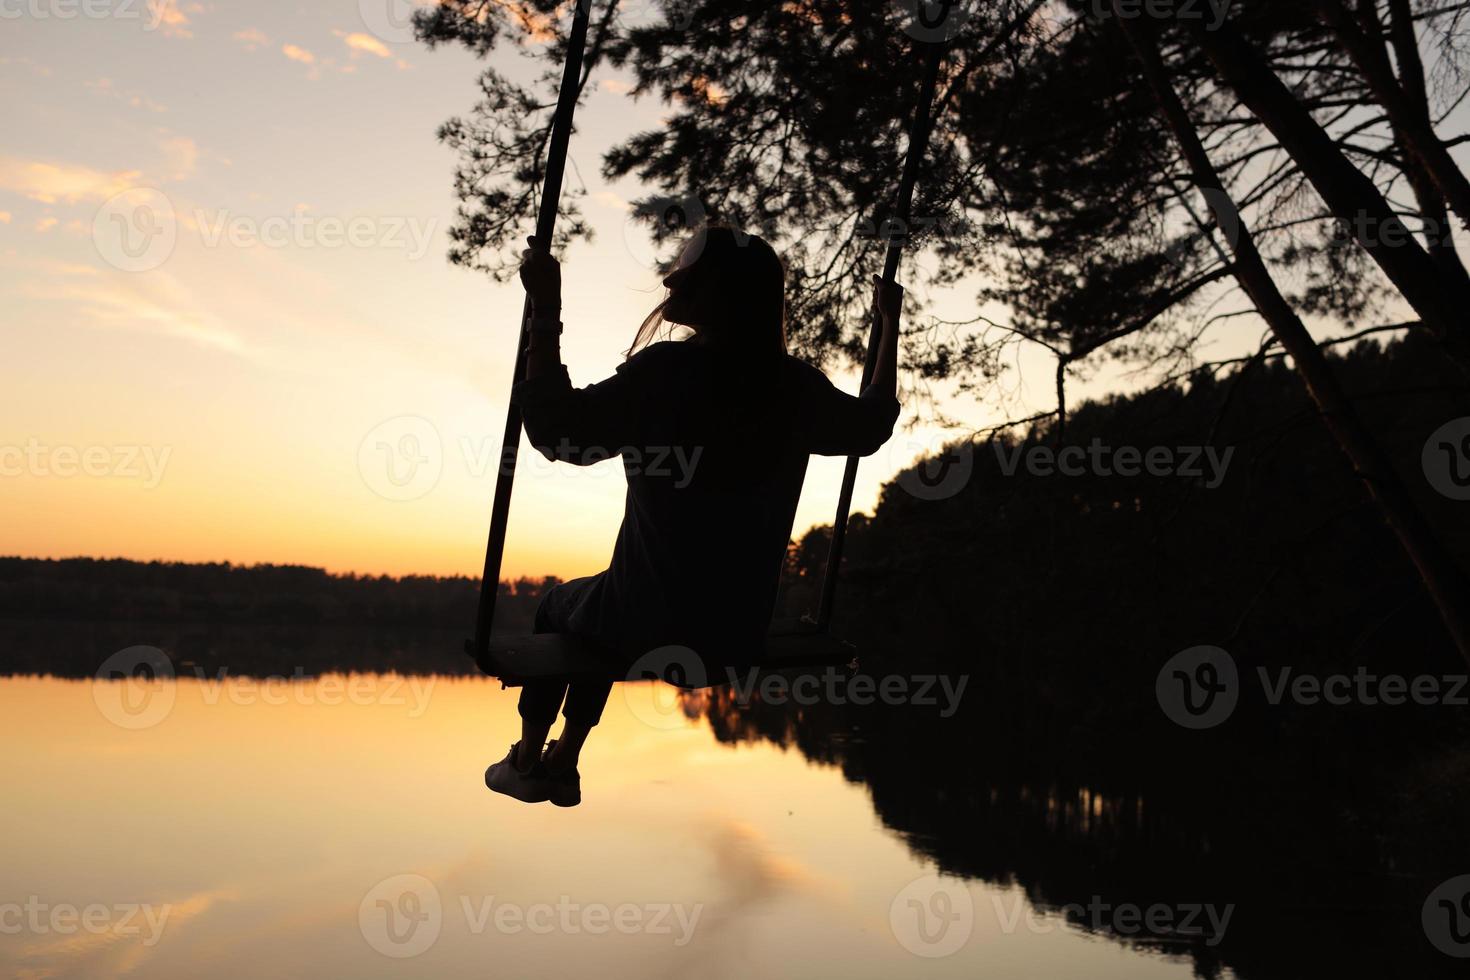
(567, 657)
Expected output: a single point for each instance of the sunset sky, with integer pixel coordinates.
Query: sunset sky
(242, 396)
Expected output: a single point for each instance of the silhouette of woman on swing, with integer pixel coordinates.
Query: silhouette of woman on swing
(714, 432)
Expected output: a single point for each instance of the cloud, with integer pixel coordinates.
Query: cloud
(365, 42)
(35, 66)
(616, 85)
(155, 304)
(360, 44)
(45, 224)
(53, 182)
(105, 86)
(5, 217)
(116, 949)
(181, 154)
(611, 200)
(143, 102)
(298, 54)
(251, 38)
(167, 17)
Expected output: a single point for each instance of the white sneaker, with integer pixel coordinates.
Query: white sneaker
(532, 786)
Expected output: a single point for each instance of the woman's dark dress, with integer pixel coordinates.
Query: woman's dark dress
(715, 450)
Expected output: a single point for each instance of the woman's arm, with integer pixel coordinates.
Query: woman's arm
(888, 300)
(837, 424)
(574, 425)
(541, 275)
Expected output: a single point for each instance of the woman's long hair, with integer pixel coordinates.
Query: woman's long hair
(741, 284)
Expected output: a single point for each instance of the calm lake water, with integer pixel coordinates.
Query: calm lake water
(338, 826)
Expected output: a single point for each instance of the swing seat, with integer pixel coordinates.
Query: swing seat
(565, 657)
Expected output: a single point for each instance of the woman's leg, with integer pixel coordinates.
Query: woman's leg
(540, 699)
(585, 701)
(537, 708)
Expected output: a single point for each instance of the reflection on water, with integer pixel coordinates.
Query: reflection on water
(340, 827)
(1290, 872)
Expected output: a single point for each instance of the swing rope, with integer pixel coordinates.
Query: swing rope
(921, 128)
(556, 160)
(897, 232)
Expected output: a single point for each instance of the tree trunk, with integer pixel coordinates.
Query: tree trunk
(1414, 128)
(1432, 206)
(1442, 578)
(1443, 304)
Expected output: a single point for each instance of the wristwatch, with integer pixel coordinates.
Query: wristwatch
(541, 327)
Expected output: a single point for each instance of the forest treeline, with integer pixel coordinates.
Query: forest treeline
(67, 616)
(1068, 593)
(119, 590)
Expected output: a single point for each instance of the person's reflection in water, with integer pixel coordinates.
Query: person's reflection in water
(714, 432)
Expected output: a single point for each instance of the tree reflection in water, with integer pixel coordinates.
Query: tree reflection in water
(1324, 877)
